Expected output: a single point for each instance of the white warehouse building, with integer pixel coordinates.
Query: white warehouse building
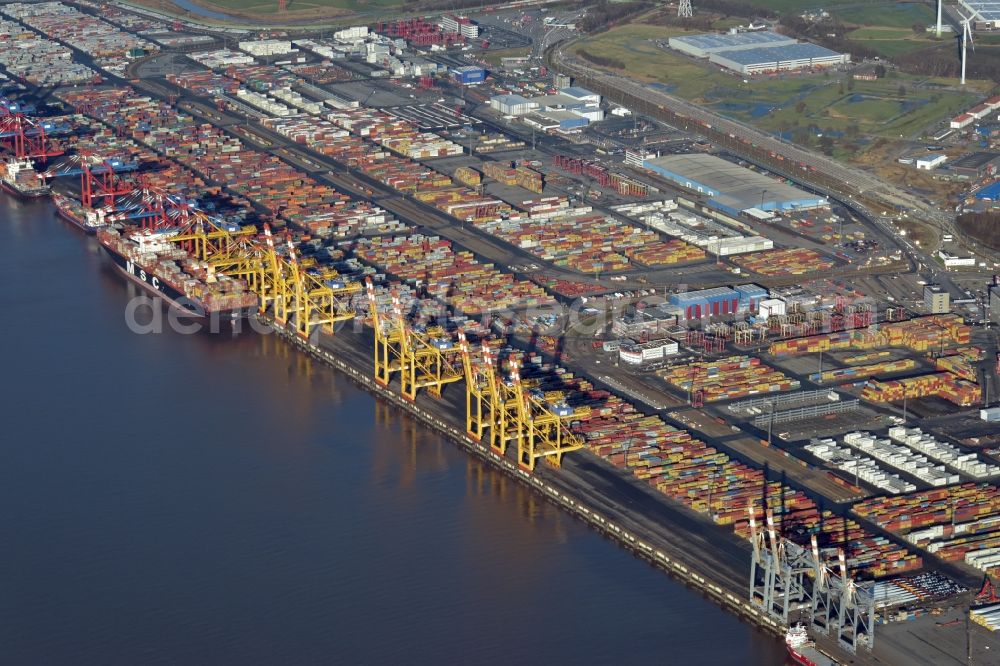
(512, 105)
(267, 47)
(702, 46)
(581, 94)
(648, 351)
(778, 59)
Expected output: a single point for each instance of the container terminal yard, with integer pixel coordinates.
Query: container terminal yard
(744, 379)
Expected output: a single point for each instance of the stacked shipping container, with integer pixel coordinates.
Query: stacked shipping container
(577, 238)
(954, 523)
(944, 384)
(455, 278)
(930, 333)
(665, 253)
(856, 372)
(705, 479)
(795, 261)
(732, 377)
(271, 184)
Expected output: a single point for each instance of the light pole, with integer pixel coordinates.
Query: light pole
(627, 446)
(770, 422)
(711, 489)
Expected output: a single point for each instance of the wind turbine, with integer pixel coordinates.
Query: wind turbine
(966, 40)
(939, 3)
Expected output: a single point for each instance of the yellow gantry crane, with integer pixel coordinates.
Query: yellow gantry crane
(513, 416)
(478, 394)
(272, 283)
(428, 359)
(313, 302)
(544, 435)
(506, 426)
(306, 300)
(388, 339)
(423, 360)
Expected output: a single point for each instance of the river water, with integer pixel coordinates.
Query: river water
(199, 499)
(205, 12)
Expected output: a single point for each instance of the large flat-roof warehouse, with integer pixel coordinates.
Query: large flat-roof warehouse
(701, 46)
(757, 52)
(732, 188)
(779, 58)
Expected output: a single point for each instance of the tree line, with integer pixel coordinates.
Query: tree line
(601, 61)
(983, 227)
(603, 15)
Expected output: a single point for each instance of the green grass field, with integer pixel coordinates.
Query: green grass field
(821, 101)
(257, 6)
(494, 57)
(892, 41)
(887, 14)
(631, 45)
(786, 6)
(884, 25)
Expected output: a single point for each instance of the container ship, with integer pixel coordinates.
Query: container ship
(802, 650)
(73, 211)
(18, 176)
(150, 259)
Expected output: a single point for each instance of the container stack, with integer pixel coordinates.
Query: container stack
(860, 466)
(106, 43)
(957, 365)
(986, 616)
(257, 176)
(468, 176)
(866, 358)
(901, 458)
(959, 523)
(569, 288)
(320, 74)
(794, 261)
(665, 253)
(492, 143)
(260, 78)
(452, 277)
(943, 384)
(403, 175)
(39, 61)
(728, 378)
(857, 372)
(504, 172)
(205, 83)
(930, 333)
(576, 238)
